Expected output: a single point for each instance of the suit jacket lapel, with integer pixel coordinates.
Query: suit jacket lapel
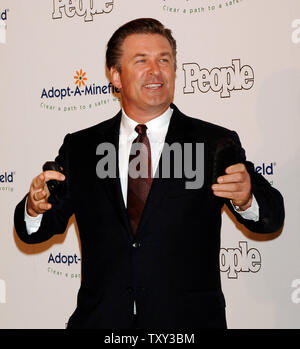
(113, 185)
(160, 185)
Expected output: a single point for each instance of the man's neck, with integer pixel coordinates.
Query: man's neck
(143, 116)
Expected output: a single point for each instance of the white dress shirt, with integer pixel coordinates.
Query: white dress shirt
(156, 131)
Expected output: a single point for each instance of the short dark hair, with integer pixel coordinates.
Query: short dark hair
(137, 26)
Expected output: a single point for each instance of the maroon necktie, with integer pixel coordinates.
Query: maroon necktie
(139, 164)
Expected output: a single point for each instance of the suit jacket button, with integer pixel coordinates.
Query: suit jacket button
(130, 290)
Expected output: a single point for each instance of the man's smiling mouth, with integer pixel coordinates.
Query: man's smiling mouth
(153, 86)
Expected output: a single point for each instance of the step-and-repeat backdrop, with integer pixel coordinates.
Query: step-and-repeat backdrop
(238, 66)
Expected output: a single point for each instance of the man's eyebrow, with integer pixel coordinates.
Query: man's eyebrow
(166, 54)
(145, 54)
(139, 55)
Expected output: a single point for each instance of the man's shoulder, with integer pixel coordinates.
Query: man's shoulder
(209, 126)
(208, 129)
(95, 130)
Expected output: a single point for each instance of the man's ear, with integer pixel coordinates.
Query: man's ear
(115, 77)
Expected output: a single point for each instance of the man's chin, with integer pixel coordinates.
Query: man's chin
(157, 102)
(158, 108)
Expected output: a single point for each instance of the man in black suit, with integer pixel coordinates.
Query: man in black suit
(158, 263)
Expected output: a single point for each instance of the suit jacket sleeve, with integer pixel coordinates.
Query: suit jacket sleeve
(56, 219)
(269, 199)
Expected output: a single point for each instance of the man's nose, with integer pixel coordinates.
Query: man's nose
(154, 68)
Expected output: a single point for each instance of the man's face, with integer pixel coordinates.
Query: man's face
(147, 76)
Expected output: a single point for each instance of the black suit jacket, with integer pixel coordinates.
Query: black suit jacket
(171, 266)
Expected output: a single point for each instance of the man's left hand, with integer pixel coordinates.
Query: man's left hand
(235, 185)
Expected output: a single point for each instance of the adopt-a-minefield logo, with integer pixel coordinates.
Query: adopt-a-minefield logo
(267, 169)
(66, 265)
(82, 8)
(65, 98)
(3, 25)
(197, 7)
(3, 14)
(7, 179)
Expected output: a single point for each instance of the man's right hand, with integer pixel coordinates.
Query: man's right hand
(37, 202)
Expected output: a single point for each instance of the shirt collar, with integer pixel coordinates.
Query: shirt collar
(156, 128)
